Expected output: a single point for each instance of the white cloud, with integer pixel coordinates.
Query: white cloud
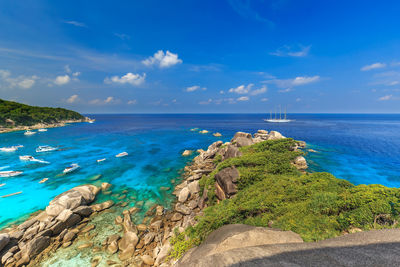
(67, 69)
(132, 102)
(243, 98)
(298, 99)
(242, 89)
(163, 60)
(194, 88)
(76, 23)
(62, 79)
(374, 66)
(305, 80)
(385, 98)
(209, 101)
(21, 81)
(108, 100)
(76, 74)
(129, 78)
(27, 83)
(264, 99)
(73, 99)
(287, 90)
(288, 51)
(298, 81)
(259, 91)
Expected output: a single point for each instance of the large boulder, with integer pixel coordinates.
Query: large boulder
(184, 194)
(273, 135)
(227, 239)
(227, 179)
(71, 199)
(4, 239)
(241, 139)
(35, 246)
(229, 151)
(300, 163)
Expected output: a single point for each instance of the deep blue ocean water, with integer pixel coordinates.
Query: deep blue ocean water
(363, 149)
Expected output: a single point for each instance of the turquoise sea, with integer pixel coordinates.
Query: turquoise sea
(363, 149)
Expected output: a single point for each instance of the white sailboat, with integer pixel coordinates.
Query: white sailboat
(45, 149)
(29, 133)
(280, 119)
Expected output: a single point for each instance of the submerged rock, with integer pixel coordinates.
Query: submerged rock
(187, 153)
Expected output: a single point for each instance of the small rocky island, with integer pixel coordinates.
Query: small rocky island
(248, 202)
(16, 116)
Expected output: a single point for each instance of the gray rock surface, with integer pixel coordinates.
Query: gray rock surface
(4, 239)
(227, 179)
(372, 248)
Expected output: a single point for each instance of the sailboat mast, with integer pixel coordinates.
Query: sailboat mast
(280, 112)
(275, 113)
(285, 113)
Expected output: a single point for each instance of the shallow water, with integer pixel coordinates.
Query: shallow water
(359, 148)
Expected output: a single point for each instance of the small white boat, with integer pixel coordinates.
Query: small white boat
(45, 149)
(9, 149)
(71, 168)
(91, 121)
(9, 173)
(42, 130)
(29, 133)
(1, 185)
(122, 154)
(100, 160)
(30, 158)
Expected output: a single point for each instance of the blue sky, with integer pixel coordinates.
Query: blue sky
(201, 56)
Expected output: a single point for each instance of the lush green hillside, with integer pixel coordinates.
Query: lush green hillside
(273, 193)
(16, 114)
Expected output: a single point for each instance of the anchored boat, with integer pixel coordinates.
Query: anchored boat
(29, 133)
(42, 130)
(9, 173)
(45, 148)
(278, 119)
(71, 168)
(122, 154)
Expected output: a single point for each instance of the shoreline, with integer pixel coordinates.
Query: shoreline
(42, 125)
(62, 226)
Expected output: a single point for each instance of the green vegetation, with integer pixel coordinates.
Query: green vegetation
(273, 193)
(16, 114)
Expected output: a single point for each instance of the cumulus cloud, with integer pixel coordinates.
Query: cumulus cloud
(73, 99)
(297, 81)
(108, 100)
(248, 89)
(374, 66)
(243, 98)
(194, 88)
(262, 90)
(385, 98)
(162, 60)
(62, 79)
(129, 78)
(264, 99)
(24, 82)
(132, 102)
(288, 51)
(241, 89)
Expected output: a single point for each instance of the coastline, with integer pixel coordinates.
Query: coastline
(42, 125)
(148, 233)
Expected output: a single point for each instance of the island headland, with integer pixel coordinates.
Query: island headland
(18, 117)
(245, 202)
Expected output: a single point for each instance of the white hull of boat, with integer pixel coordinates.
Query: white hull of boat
(8, 149)
(122, 154)
(45, 149)
(29, 133)
(42, 130)
(9, 173)
(71, 168)
(277, 121)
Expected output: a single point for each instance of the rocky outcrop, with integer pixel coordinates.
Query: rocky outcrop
(242, 139)
(238, 247)
(300, 163)
(4, 239)
(24, 242)
(227, 179)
